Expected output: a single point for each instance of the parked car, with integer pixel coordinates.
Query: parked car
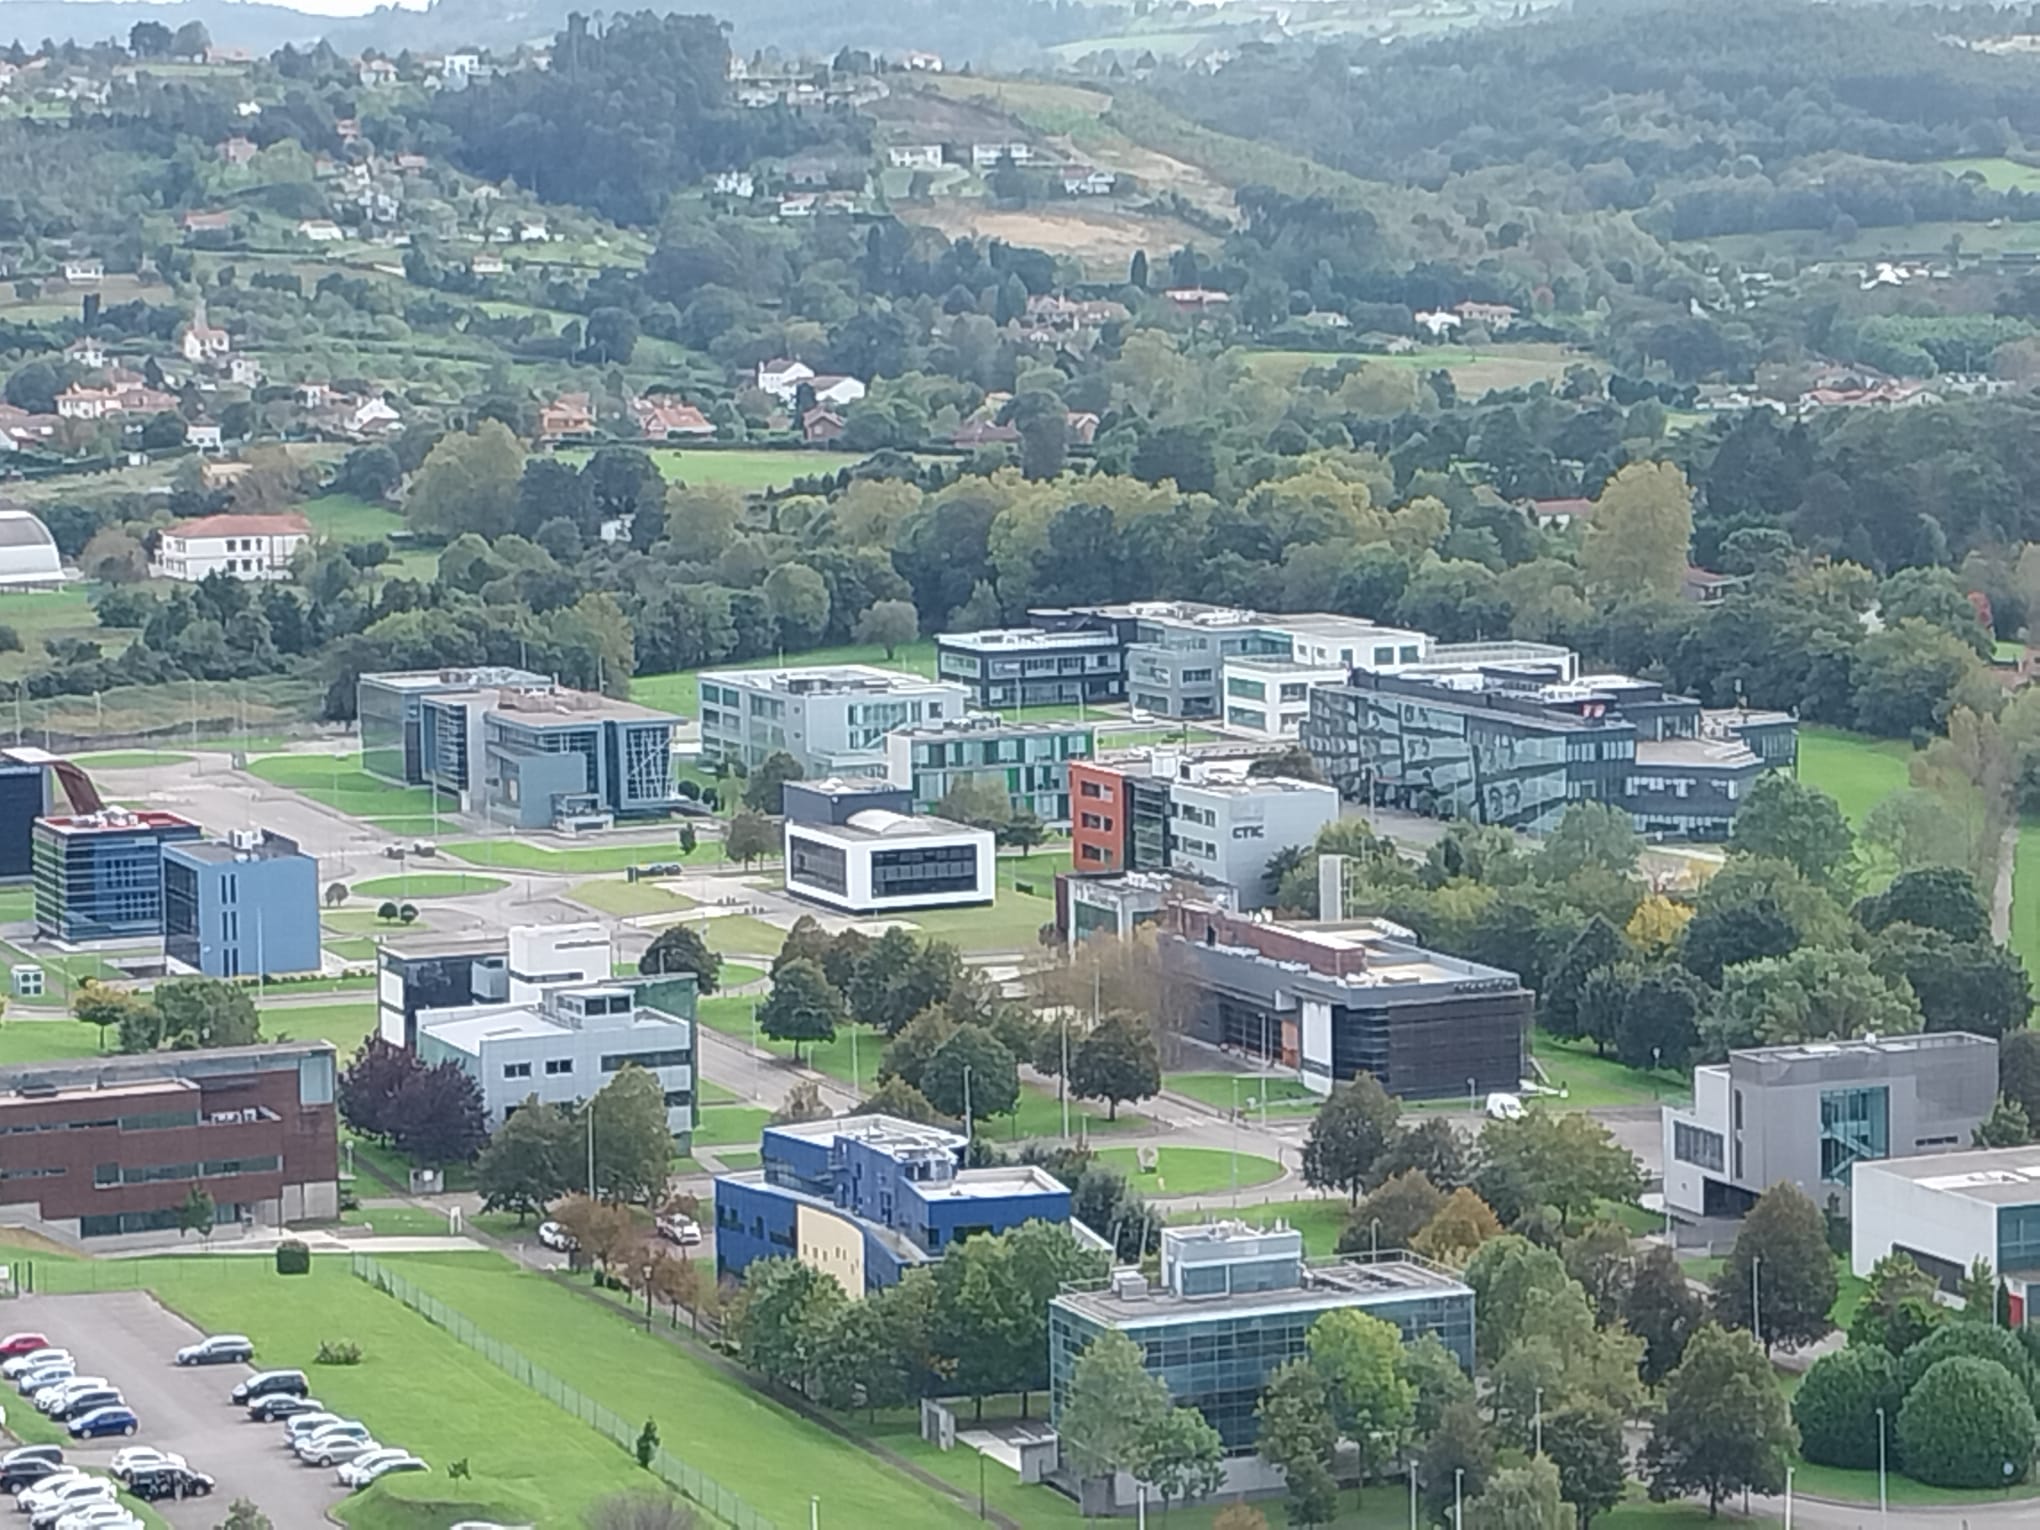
(53, 1395)
(219, 1349)
(675, 1228)
(179, 1481)
(278, 1406)
(61, 1474)
(109, 1418)
(331, 1449)
(22, 1344)
(267, 1383)
(73, 1491)
(78, 1404)
(1504, 1107)
(99, 1515)
(52, 1453)
(557, 1238)
(130, 1459)
(29, 1471)
(44, 1376)
(373, 1465)
(305, 1425)
(14, 1365)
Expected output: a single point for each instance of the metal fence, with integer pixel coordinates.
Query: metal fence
(697, 1486)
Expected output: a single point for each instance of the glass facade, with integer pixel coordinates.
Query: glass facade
(921, 872)
(1854, 1124)
(2018, 1237)
(1219, 1361)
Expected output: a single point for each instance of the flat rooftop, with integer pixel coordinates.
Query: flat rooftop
(994, 638)
(467, 1027)
(551, 707)
(1331, 625)
(882, 823)
(484, 676)
(1345, 1282)
(115, 1071)
(216, 852)
(1865, 1046)
(422, 945)
(1998, 1176)
(888, 1132)
(1258, 786)
(824, 680)
(1264, 664)
(116, 821)
(991, 725)
(1715, 753)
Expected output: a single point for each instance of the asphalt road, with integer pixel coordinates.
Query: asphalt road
(127, 1337)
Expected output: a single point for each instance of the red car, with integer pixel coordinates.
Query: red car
(22, 1344)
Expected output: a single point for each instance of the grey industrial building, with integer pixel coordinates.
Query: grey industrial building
(1336, 1000)
(1808, 1113)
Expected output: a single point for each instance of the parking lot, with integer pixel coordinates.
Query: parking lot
(129, 1338)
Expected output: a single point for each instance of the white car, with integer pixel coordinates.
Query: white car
(677, 1228)
(50, 1398)
(373, 1464)
(62, 1473)
(302, 1426)
(69, 1492)
(1504, 1107)
(557, 1238)
(21, 1364)
(100, 1516)
(31, 1382)
(132, 1458)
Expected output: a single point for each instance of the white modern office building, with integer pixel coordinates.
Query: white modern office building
(1227, 826)
(833, 718)
(1948, 1211)
(856, 846)
(1269, 698)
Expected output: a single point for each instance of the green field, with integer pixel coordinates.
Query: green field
(345, 1025)
(749, 470)
(428, 884)
(130, 759)
(337, 781)
(679, 690)
(1998, 174)
(1590, 1081)
(1474, 370)
(2025, 932)
(1191, 1171)
(1857, 772)
(39, 615)
(730, 1126)
(368, 921)
(349, 518)
(1285, 1095)
(519, 855)
(626, 898)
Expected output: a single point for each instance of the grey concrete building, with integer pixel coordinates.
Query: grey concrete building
(1810, 1112)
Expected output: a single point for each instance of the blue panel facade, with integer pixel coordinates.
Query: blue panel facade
(241, 917)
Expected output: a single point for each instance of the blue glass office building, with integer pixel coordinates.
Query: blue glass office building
(1234, 1303)
(867, 1198)
(99, 876)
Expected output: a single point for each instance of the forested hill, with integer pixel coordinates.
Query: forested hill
(1659, 107)
(1010, 33)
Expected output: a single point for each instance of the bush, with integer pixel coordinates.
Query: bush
(1836, 1407)
(1963, 1423)
(337, 1352)
(1979, 1341)
(293, 1258)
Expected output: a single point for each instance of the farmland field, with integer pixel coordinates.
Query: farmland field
(349, 518)
(1998, 174)
(750, 470)
(1473, 372)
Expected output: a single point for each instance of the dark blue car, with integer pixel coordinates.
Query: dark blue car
(102, 1421)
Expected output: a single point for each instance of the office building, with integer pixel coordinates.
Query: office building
(567, 1042)
(99, 876)
(1948, 1210)
(1269, 698)
(514, 748)
(422, 971)
(1029, 762)
(1336, 1000)
(1232, 1305)
(1118, 903)
(1226, 826)
(855, 846)
(867, 1198)
(833, 718)
(108, 1147)
(1516, 744)
(1034, 666)
(245, 907)
(1175, 651)
(1809, 1114)
(32, 783)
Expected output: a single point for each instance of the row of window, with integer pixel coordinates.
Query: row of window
(554, 1067)
(106, 1175)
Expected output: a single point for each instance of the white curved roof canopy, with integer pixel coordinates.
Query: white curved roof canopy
(28, 553)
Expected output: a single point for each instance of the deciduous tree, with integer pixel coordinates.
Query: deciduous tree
(680, 948)
(1117, 1060)
(1795, 1285)
(528, 1164)
(1724, 1428)
(803, 1006)
(1351, 1130)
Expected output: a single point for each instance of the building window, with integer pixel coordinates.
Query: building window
(1855, 1124)
(554, 1066)
(517, 1070)
(1696, 1145)
(673, 1057)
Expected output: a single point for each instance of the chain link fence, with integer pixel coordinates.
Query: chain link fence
(696, 1486)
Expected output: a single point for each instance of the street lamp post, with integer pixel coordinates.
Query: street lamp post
(1788, 1498)
(1472, 1103)
(1537, 1422)
(966, 1104)
(1883, 1502)
(814, 1512)
(1756, 1298)
(1374, 1238)
(1458, 1498)
(1413, 1495)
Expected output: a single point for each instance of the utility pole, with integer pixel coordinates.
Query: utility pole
(967, 1132)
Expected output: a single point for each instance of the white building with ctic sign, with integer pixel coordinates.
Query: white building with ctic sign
(1227, 825)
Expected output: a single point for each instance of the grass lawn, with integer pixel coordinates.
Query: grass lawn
(625, 898)
(1704, 1268)
(738, 1158)
(751, 1445)
(350, 518)
(708, 1092)
(24, 1041)
(398, 1221)
(1319, 1220)
(1998, 174)
(353, 950)
(16, 904)
(518, 855)
(1141, 738)
(2025, 933)
(1474, 370)
(1191, 1171)
(1857, 772)
(428, 884)
(1590, 1081)
(680, 690)
(1861, 1487)
(345, 1025)
(741, 935)
(1286, 1097)
(337, 781)
(366, 921)
(730, 1126)
(751, 470)
(1013, 923)
(416, 1384)
(737, 975)
(131, 759)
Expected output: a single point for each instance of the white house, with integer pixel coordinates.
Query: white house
(915, 156)
(372, 414)
(734, 183)
(836, 392)
(244, 371)
(86, 351)
(985, 155)
(238, 546)
(1083, 181)
(83, 272)
(320, 230)
(1438, 324)
(204, 436)
(782, 378)
(928, 63)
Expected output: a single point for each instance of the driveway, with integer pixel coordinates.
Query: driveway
(128, 1338)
